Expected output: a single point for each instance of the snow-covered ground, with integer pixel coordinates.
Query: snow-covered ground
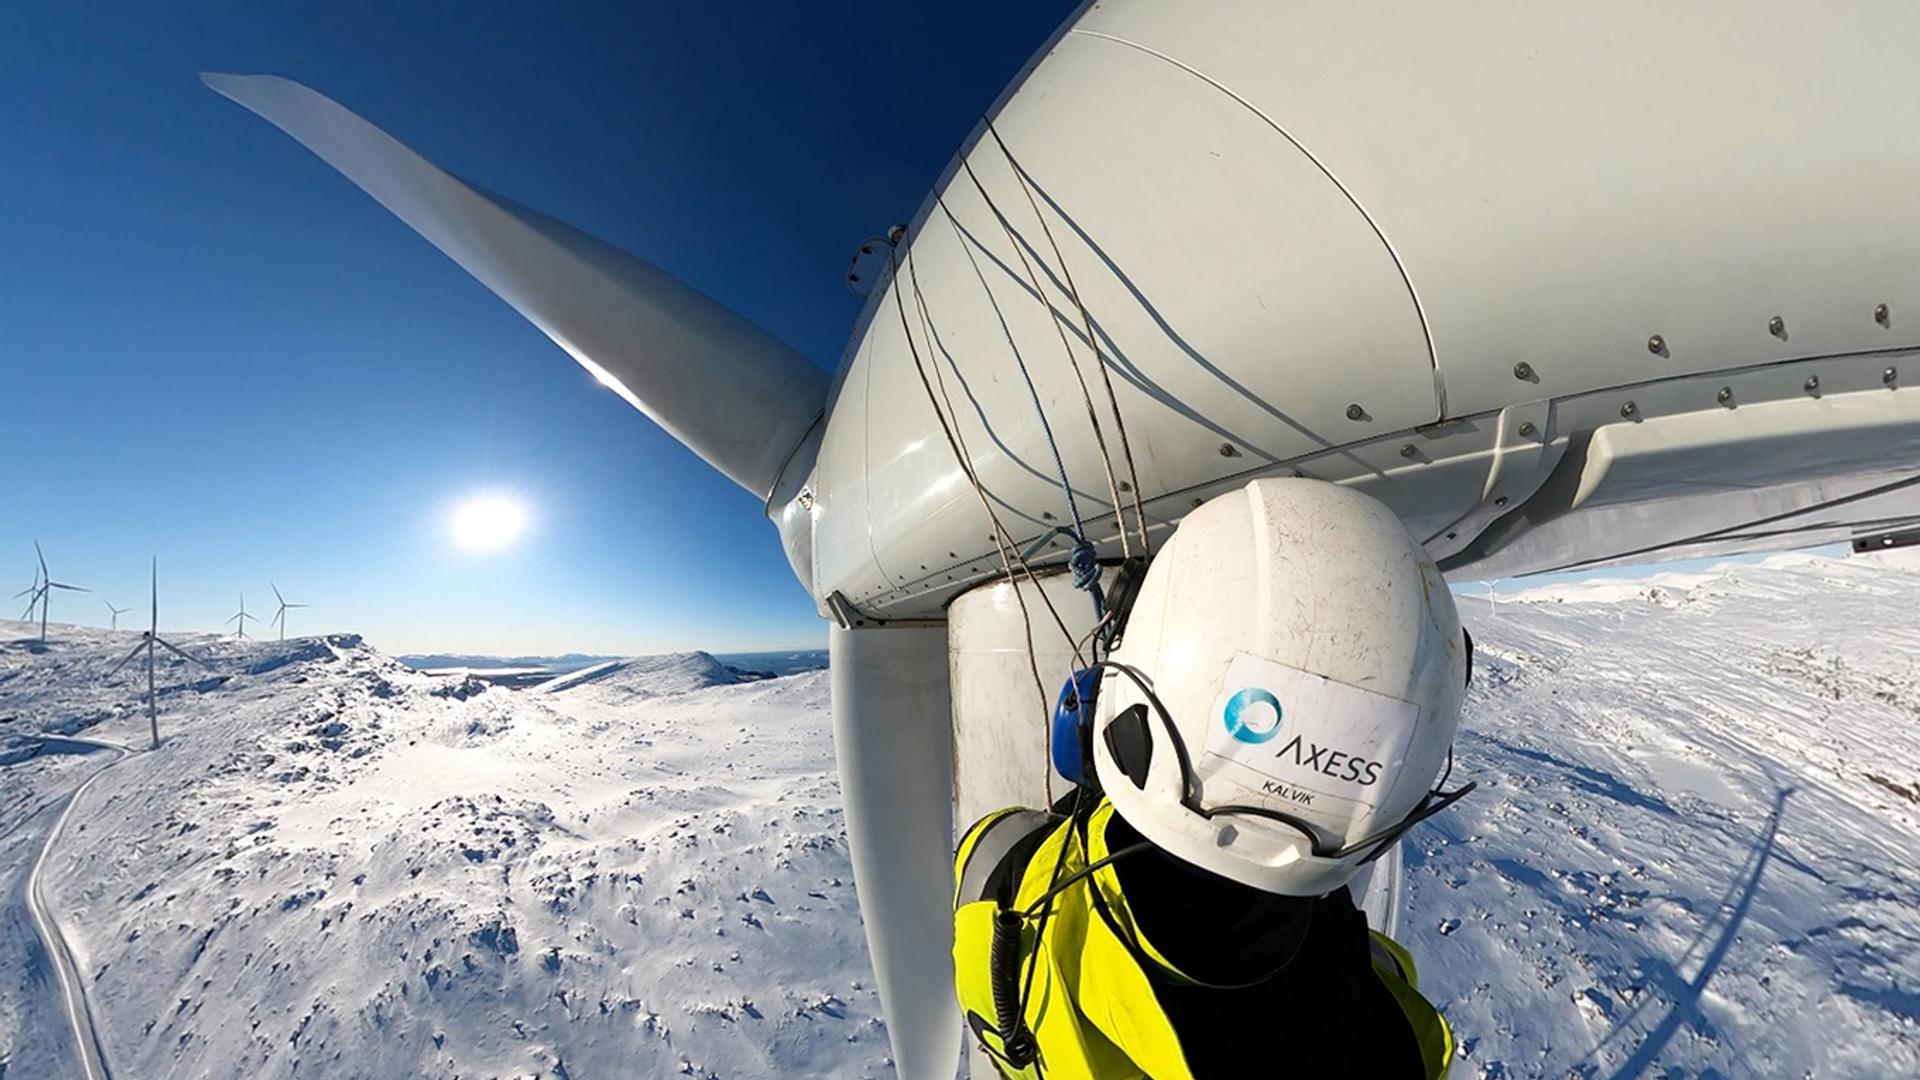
(1696, 846)
(338, 867)
(1695, 852)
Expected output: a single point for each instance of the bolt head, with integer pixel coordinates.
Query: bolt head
(1657, 345)
(1629, 409)
(1888, 376)
(1812, 384)
(1725, 395)
(1777, 326)
(1881, 315)
(1527, 430)
(1523, 371)
(1355, 412)
(1409, 451)
(1501, 501)
(1227, 449)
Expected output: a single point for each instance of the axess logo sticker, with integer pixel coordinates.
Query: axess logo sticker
(1334, 746)
(1253, 715)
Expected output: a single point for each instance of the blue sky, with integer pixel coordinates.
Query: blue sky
(219, 352)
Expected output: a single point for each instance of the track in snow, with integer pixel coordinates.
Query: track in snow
(88, 1047)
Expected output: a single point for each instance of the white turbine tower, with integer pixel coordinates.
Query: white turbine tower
(147, 641)
(42, 591)
(240, 620)
(114, 624)
(280, 616)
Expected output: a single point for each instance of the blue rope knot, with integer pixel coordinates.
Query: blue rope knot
(1084, 563)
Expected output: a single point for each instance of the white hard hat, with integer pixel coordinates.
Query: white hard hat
(1286, 688)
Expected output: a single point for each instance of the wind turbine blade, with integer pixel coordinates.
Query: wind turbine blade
(177, 651)
(43, 559)
(34, 591)
(236, 618)
(156, 595)
(733, 393)
(299, 605)
(276, 593)
(893, 744)
(115, 670)
(69, 588)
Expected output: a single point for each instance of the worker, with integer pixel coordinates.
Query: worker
(1277, 710)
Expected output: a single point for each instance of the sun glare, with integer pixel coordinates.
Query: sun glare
(488, 522)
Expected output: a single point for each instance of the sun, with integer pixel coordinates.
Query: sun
(488, 522)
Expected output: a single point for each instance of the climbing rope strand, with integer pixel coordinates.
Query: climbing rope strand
(960, 441)
(1093, 342)
(1003, 539)
(1084, 559)
(1053, 317)
(1026, 376)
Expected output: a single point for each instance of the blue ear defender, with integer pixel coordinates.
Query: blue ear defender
(1073, 710)
(1073, 726)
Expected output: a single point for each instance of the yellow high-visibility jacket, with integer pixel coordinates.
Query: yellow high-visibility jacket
(1090, 1000)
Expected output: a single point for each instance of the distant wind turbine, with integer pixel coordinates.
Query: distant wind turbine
(117, 611)
(32, 591)
(42, 591)
(147, 641)
(242, 618)
(279, 616)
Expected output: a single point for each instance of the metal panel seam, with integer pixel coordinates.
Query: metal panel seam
(1392, 253)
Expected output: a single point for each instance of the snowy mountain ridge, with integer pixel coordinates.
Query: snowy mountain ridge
(640, 678)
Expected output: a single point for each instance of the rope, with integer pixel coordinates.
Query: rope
(1026, 376)
(1086, 395)
(1093, 342)
(1003, 540)
(1083, 562)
